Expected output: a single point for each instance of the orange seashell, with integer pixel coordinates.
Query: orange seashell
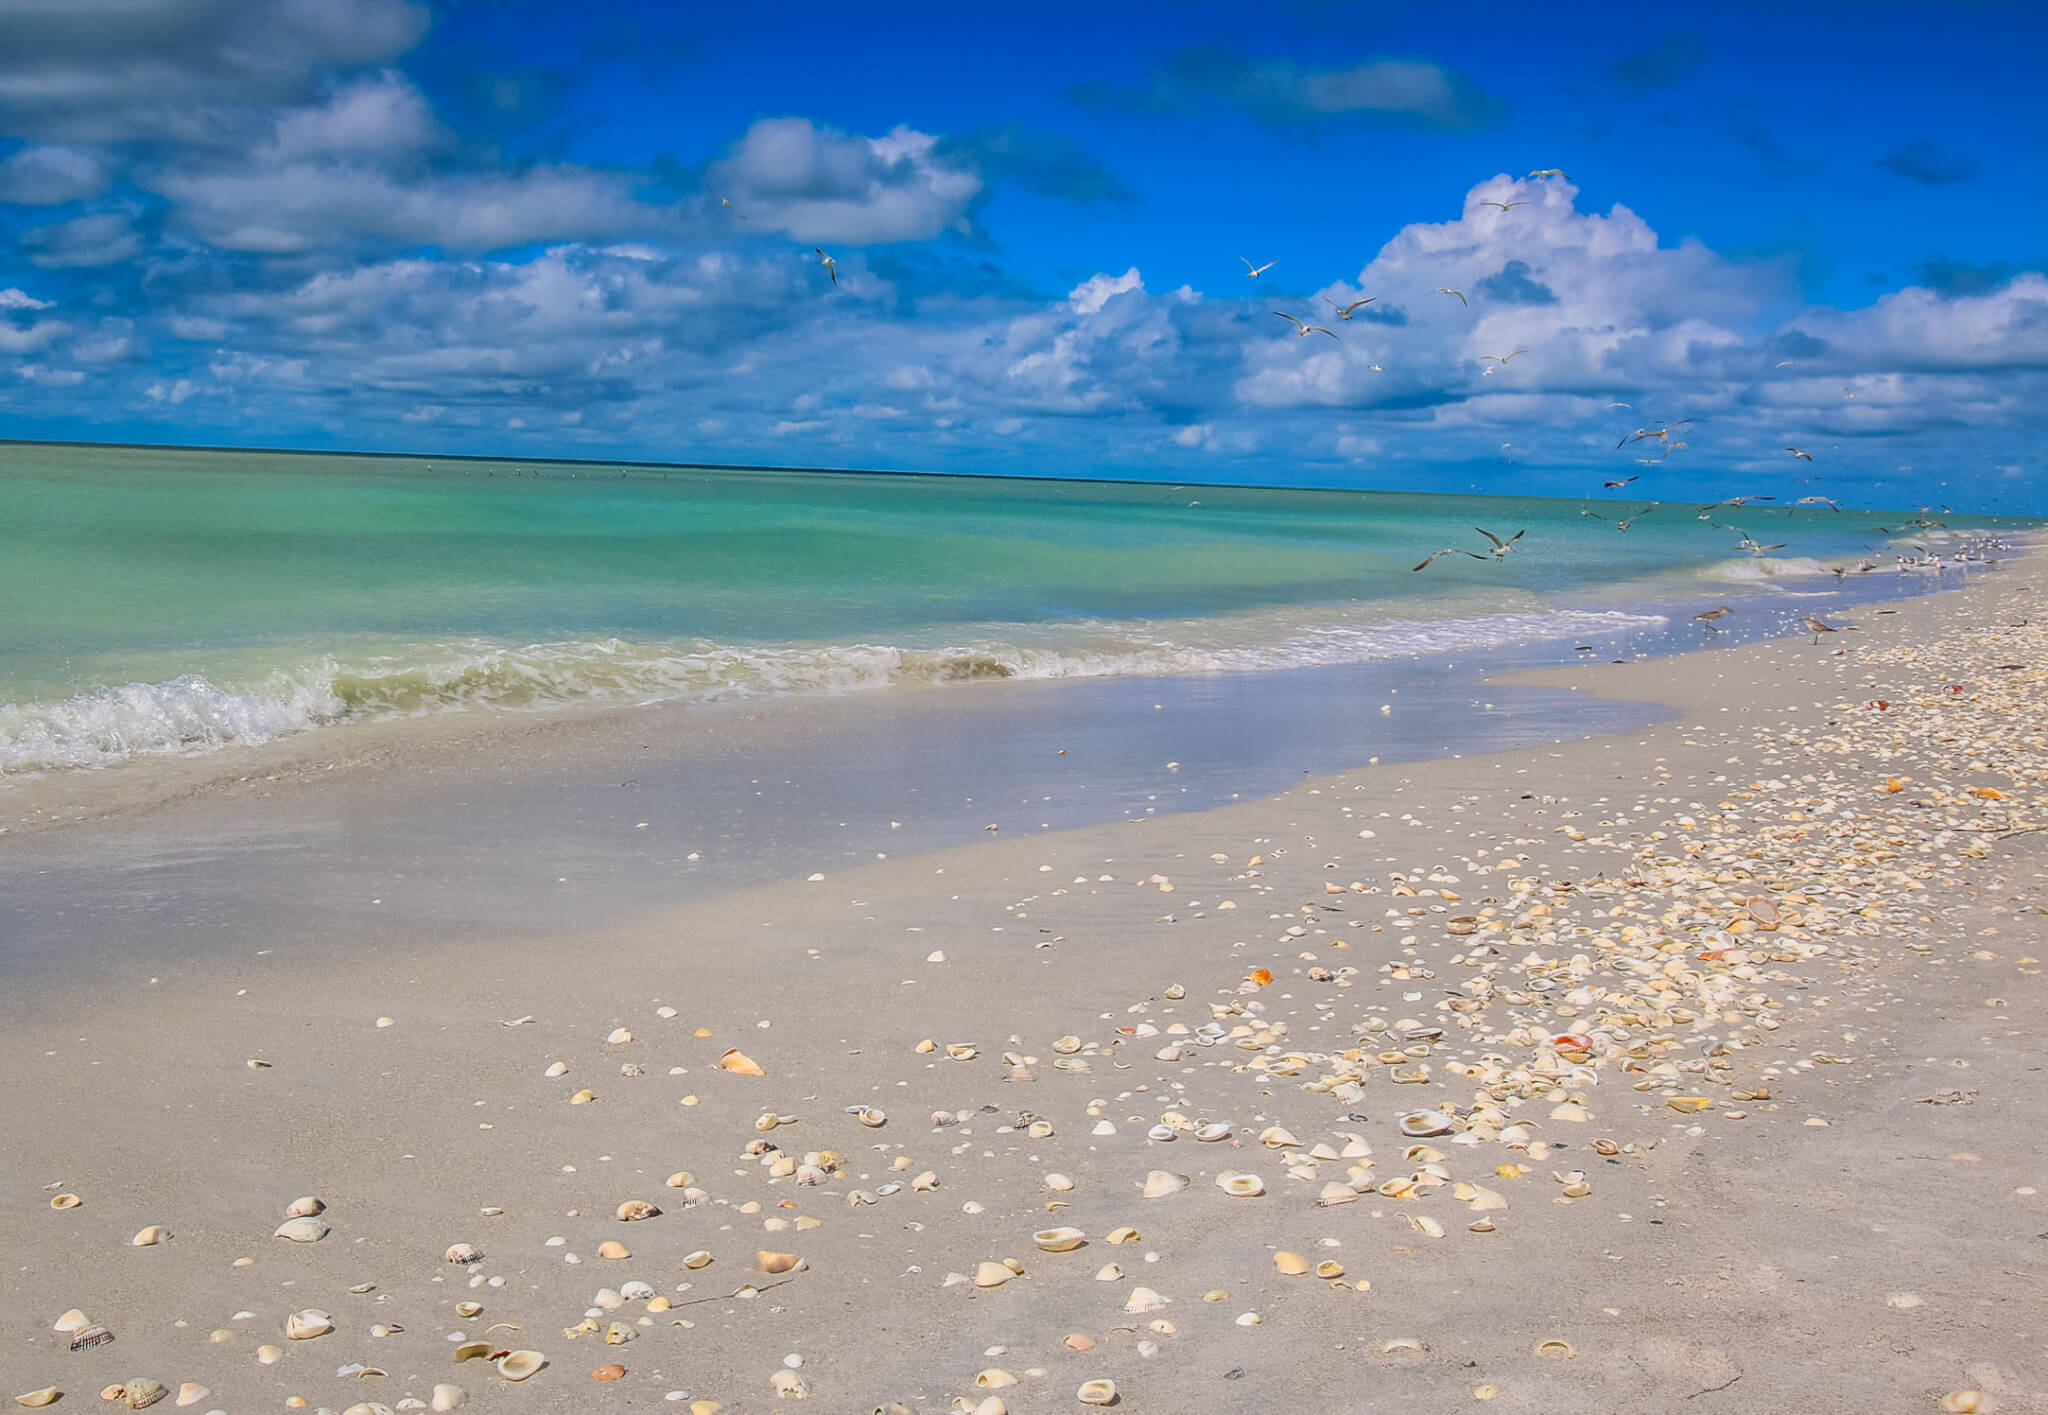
(1261, 976)
(1894, 785)
(740, 1064)
(608, 1373)
(1988, 793)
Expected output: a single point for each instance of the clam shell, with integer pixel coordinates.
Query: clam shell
(142, 1392)
(72, 1321)
(613, 1250)
(1125, 1234)
(1291, 1264)
(305, 1229)
(191, 1393)
(518, 1365)
(1277, 1137)
(1162, 1133)
(306, 1207)
(1417, 1124)
(994, 1379)
(269, 1355)
(1158, 1184)
(1556, 1349)
(874, 1117)
(991, 1274)
(307, 1324)
(740, 1064)
(37, 1398)
(698, 1259)
(634, 1210)
(463, 1254)
(65, 1201)
(151, 1236)
(473, 1351)
(1059, 1240)
(446, 1397)
(772, 1262)
(608, 1373)
(1210, 1134)
(1101, 1392)
(1329, 1268)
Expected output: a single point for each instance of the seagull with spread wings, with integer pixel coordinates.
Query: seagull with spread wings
(1302, 328)
(1253, 272)
(1501, 548)
(1816, 501)
(733, 209)
(1540, 173)
(1503, 205)
(1447, 290)
(1802, 456)
(1346, 311)
(831, 265)
(1499, 361)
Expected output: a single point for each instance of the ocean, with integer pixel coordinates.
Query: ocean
(183, 601)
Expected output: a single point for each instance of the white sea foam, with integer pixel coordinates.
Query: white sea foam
(192, 714)
(1752, 569)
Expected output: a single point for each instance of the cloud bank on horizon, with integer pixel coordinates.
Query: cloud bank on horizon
(281, 222)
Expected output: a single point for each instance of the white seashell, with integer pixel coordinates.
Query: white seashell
(1059, 1240)
(991, 1274)
(463, 1254)
(1102, 1392)
(789, 1385)
(1277, 1137)
(36, 1399)
(1419, 1123)
(151, 1236)
(619, 1037)
(698, 1259)
(269, 1355)
(994, 1379)
(1162, 1133)
(305, 1208)
(1241, 1186)
(1158, 1184)
(559, 1068)
(1109, 1272)
(518, 1365)
(635, 1291)
(1039, 1130)
(1103, 1127)
(191, 1393)
(874, 1117)
(1144, 1299)
(447, 1397)
(305, 1325)
(1211, 1133)
(72, 1321)
(1058, 1183)
(303, 1230)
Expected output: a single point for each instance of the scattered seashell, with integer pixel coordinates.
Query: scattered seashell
(473, 1351)
(518, 1365)
(1963, 1402)
(962, 1051)
(1158, 1184)
(472, 1309)
(1277, 1137)
(1249, 1319)
(447, 1397)
(608, 1373)
(740, 1064)
(305, 1325)
(635, 1210)
(151, 1236)
(463, 1254)
(994, 1379)
(1210, 1134)
(1334, 1193)
(1144, 1299)
(771, 1262)
(72, 1321)
(1058, 1183)
(698, 1259)
(989, 1274)
(1417, 1124)
(269, 1355)
(1291, 1264)
(789, 1385)
(1059, 1240)
(613, 1251)
(1078, 1341)
(142, 1392)
(1241, 1186)
(1556, 1350)
(65, 1201)
(1100, 1392)
(1109, 1272)
(1125, 1234)
(872, 1116)
(1329, 1268)
(306, 1207)
(36, 1399)
(305, 1229)
(88, 1337)
(191, 1393)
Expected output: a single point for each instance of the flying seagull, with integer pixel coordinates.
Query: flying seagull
(1612, 406)
(1452, 551)
(1501, 358)
(1802, 456)
(1304, 330)
(1503, 205)
(1738, 501)
(1377, 368)
(1543, 172)
(1447, 290)
(733, 209)
(1624, 525)
(1253, 272)
(1749, 544)
(831, 265)
(1847, 391)
(1501, 548)
(1816, 501)
(1624, 481)
(1346, 311)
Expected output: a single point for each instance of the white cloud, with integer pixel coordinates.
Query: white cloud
(13, 299)
(824, 186)
(383, 116)
(50, 176)
(1098, 290)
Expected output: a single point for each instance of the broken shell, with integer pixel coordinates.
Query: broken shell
(1067, 1045)
(613, 1250)
(304, 1326)
(518, 1365)
(1097, 1393)
(1329, 1268)
(1109, 1272)
(37, 1398)
(469, 1309)
(1059, 1240)
(618, 1334)
(1078, 1341)
(1277, 1137)
(463, 1254)
(635, 1291)
(962, 1051)
(141, 1393)
(634, 1210)
(619, 1037)
(770, 1262)
(65, 1201)
(1158, 1184)
(191, 1393)
(1126, 1234)
(1963, 1402)
(1555, 1349)
(991, 1274)
(994, 1379)
(151, 1236)
(89, 1337)
(72, 1321)
(608, 1373)
(473, 1351)
(740, 1064)
(446, 1397)
(1291, 1264)
(1417, 1124)
(305, 1208)
(1162, 1133)
(303, 1230)
(789, 1385)
(1242, 1186)
(698, 1259)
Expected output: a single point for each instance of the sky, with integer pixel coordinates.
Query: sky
(523, 229)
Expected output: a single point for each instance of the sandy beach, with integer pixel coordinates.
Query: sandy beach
(1691, 1069)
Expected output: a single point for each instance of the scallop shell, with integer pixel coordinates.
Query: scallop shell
(1144, 1299)
(305, 1207)
(634, 1210)
(463, 1254)
(518, 1365)
(306, 1229)
(1059, 1240)
(1158, 1184)
(142, 1392)
(1101, 1392)
(698, 1259)
(305, 1325)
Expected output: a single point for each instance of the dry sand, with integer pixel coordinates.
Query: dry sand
(1735, 1155)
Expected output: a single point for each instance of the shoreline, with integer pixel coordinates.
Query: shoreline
(407, 1130)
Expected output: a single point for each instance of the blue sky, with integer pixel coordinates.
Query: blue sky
(495, 228)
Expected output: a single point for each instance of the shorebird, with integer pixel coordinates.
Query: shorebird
(831, 265)
(733, 209)
(1447, 290)
(1624, 481)
(1503, 205)
(1540, 173)
(1452, 551)
(1624, 525)
(1802, 456)
(1501, 548)
(1346, 311)
(1713, 616)
(1304, 330)
(1501, 359)
(1738, 501)
(1749, 544)
(1821, 626)
(1816, 501)
(1253, 272)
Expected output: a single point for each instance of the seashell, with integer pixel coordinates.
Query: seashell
(151, 1236)
(1242, 1186)
(1402, 1346)
(1067, 1045)
(1329, 1268)
(473, 1351)
(1059, 1240)
(463, 1254)
(613, 1251)
(1211, 1133)
(634, 1210)
(72, 1321)
(1962, 1402)
(789, 1385)
(446, 1397)
(618, 1334)
(65, 1201)
(770, 1262)
(1556, 1349)
(518, 1365)
(269, 1355)
(1039, 1130)
(474, 1309)
(659, 1304)
(88, 1337)
(1333, 1194)
(1101, 1392)
(872, 1116)
(635, 1291)
(1109, 1272)
(991, 1274)
(306, 1229)
(1125, 1234)
(1291, 1264)
(994, 1379)
(1417, 1124)
(307, 1207)
(556, 1068)
(142, 1392)
(1162, 1133)
(1426, 1226)
(305, 1325)
(740, 1064)
(1058, 1183)
(608, 1373)
(1158, 1184)
(1144, 1299)
(191, 1393)
(1277, 1137)
(36, 1399)
(962, 1051)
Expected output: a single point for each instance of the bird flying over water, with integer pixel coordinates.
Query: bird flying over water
(1501, 548)
(1447, 290)
(1624, 481)
(831, 265)
(1346, 311)
(1503, 205)
(1452, 551)
(1802, 456)
(1816, 501)
(1501, 358)
(1738, 501)
(1253, 272)
(1303, 329)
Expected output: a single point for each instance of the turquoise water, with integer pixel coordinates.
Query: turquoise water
(176, 600)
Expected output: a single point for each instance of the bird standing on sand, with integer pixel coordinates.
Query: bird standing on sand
(1253, 272)
(1821, 626)
(1304, 329)
(831, 265)
(1714, 616)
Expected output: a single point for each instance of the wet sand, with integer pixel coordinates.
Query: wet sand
(1735, 1073)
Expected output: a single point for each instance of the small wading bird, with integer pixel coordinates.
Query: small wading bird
(1714, 616)
(1346, 311)
(831, 265)
(1503, 205)
(1253, 272)
(1821, 626)
(1447, 290)
(1302, 329)
(1802, 456)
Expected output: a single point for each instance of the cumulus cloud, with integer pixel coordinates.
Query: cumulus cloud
(821, 185)
(100, 238)
(1282, 92)
(50, 176)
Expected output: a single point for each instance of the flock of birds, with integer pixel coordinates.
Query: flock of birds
(1661, 433)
